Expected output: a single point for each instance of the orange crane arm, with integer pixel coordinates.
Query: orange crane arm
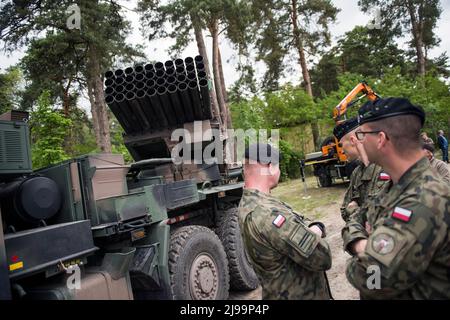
(341, 109)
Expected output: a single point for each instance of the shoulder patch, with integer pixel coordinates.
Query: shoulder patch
(389, 246)
(279, 221)
(384, 177)
(402, 214)
(383, 243)
(304, 240)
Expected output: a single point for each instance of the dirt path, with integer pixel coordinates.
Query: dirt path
(341, 289)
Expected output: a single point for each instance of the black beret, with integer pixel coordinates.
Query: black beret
(389, 107)
(429, 147)
(263, 153)
(345, 127)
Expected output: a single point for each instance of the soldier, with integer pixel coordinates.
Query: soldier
(439, 166)
(426, 139)
(406, 255)
(367, 179)
(366, 182)
(287, 251)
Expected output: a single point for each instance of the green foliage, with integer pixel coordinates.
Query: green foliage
(430, 92)
(275, 37)
(415, 18)
(290, 163)
(182, 15)
(80, 139)
(289, 107)
(362, 51)
(54, 63)
(117, 141)
(9, 89)
(248, 114)
(48, 130)
(396, 16)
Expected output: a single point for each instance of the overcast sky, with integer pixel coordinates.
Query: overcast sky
(347, 19)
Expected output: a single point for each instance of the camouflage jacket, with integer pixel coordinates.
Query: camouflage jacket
(441, 168)
(365, 183)
(372, 181)
(287, 256)
(409, 241)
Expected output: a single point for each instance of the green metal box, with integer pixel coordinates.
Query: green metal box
(15, 151)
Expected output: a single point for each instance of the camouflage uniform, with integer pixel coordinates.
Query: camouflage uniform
(410, 239)
(441, 168)
(365, 183)
(287, 256)
(369, 182)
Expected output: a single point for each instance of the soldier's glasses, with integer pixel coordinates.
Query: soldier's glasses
(361, 134)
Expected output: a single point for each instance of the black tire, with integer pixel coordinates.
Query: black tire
(242, 275)
(325, 179)
(194, 250)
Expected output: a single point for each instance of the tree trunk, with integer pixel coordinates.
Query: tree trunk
(224, 91)
(202, 51)
(214, 29)
(417, 31)
(96, 81)
(95, 122)
(304, 67)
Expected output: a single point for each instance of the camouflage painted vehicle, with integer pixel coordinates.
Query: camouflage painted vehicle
(149, 230)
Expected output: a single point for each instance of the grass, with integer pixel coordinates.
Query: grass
(293, 193)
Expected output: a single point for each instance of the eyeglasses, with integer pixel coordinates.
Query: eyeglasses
(361, 134)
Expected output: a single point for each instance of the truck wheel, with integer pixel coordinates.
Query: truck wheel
(198, 265)
(242, 276)
(325, 180)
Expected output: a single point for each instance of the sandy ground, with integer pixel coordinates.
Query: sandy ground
(340, 287)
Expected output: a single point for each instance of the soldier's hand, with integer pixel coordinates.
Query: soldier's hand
(352, 205)
(316, 230)
(359, 246)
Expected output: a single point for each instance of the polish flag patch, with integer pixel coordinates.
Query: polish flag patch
(402, 214)
(279, 221)
(384, 177)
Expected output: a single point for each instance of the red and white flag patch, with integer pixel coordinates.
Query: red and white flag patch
(279, 221)
(402, 214)
(384, 176)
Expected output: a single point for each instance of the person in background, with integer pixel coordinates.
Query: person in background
(439, 166)
(426, 139)
(443, 145)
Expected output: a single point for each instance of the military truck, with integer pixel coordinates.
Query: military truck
(94, 227)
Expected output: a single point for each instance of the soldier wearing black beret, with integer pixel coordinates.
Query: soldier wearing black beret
(366, 182)
(405, 254)
(287, 251)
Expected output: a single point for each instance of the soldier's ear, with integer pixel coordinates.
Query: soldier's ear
(382, 139)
